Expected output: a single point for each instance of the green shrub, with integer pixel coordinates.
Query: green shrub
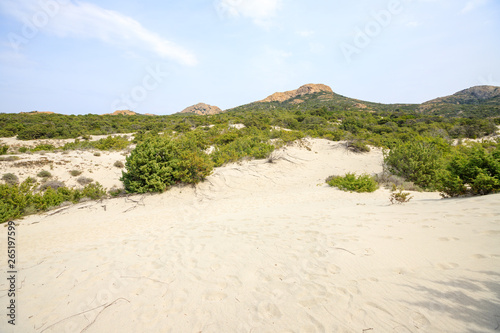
(93, 191)
(44, 147)
(398, 196)
(97, 154)
(248, 146)
(119, 164)
(44, 174)
(471, 170)
(10, 178)
(109, 143)
(416, 161)
(351, 182)
(23, 149)
(75, 173)
(19, 200)
(3, 149)
(14, 199)
(159, 162)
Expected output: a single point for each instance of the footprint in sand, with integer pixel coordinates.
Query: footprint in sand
(369, 252)
(214, 296)
(418, 320)
(479, 256)
(447, 266)
(268, 310)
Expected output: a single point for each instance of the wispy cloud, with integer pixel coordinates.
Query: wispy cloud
(260, 11)
(473, 4)
(86, 20)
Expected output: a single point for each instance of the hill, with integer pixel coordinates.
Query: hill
(202, 109)
(479, 101)
(313, 96)
(121, 113)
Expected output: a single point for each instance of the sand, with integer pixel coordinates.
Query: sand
(263, 247)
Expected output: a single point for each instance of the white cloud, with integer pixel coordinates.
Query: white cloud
(473, 4)
(260, 11)
(306, 33)
(86, 20)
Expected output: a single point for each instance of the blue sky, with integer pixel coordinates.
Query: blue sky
(151, 56)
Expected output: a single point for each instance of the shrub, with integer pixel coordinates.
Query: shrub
(388, 180)
(351, 182)
(19, 200)
(471, 170)
(93, 191)
(84, 180)
(97, 153)
(159, 162)
(44, 147)
(44, 174)
(116, 192)
(75, 173)
(357, 146)
(53, 184)
(251, 146)
(9, 158)
(417, 161)
(398, 196)
(119, 164)
(23, 149)
(10, 178)
(3, 149)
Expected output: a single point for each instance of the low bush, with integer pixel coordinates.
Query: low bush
(3, 149)
(389, 180)
(109, 143)
(53, 184)
(44, 174)
(351, 182)
(159, 162)
(84, 180)
(18, 200)
(249, 146)
(398, 196)
(75, 173)
(357, 146)
(10, 158)
(43, 147)
(119, 164)
(10, 178)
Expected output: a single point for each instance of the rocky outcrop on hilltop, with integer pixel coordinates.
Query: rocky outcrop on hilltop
(39, 112)
(304, 90)
(121, 112)
(202, 109)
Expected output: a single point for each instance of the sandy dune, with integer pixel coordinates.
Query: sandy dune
(263, 247)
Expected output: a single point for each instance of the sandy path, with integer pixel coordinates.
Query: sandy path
(263, 247)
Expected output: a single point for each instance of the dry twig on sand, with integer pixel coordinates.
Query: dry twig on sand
(104, 306)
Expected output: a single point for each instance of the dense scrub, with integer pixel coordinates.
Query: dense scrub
(17, 200)
(472, 169)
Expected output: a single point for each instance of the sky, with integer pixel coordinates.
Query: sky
(159, 57)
